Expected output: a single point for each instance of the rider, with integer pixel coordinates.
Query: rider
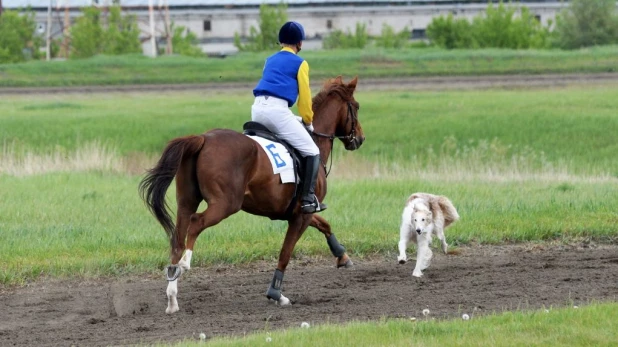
(286, 78)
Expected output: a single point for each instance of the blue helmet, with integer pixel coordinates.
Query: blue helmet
(291, 33)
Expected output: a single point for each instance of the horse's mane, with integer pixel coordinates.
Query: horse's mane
(330, 87)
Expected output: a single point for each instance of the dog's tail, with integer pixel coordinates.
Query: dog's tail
(450, 213)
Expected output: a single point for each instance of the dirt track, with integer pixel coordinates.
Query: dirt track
(231, 300)
(365, 84)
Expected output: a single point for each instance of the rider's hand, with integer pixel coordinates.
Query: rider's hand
(309, 127)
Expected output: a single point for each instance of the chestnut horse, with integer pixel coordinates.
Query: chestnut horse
(232, 172)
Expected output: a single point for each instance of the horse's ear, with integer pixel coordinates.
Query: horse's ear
(352, 84)
(338, 80)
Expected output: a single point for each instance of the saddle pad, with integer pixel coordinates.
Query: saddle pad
(280, 158)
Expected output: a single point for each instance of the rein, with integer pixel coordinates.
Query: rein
(351, 137)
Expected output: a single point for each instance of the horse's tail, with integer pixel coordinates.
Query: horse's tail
(158, 179)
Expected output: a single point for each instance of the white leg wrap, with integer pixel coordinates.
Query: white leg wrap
(185, 261)
(283, 301)
(172, 293)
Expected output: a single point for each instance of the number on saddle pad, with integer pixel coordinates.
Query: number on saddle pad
(278, 161)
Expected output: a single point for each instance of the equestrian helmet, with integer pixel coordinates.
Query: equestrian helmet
(291, 33)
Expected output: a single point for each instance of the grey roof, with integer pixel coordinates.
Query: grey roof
(233, 3)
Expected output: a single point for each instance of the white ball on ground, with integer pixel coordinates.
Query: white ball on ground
(268, 339)
(202, 336)
(465, 316)
(575, 307)
(426, 312)
(304, 325)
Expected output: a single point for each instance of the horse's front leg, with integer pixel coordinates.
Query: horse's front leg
(342, 258)
(296, 227)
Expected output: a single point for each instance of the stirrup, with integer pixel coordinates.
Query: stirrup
(313, 207)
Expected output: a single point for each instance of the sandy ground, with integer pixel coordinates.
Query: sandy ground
(230, 300)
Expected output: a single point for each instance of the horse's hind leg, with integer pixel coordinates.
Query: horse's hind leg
(343, 260)
(198, 222)
(296, 227)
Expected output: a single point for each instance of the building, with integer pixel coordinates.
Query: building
(215, 22)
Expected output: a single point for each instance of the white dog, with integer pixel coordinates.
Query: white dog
(423, 215)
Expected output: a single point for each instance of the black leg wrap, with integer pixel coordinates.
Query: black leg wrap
(172, 272)
(335, 247)
(274, 291)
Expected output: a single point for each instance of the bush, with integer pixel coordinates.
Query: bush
(450, 33)
(390, 39)
(185, 43)
(339, 39)
(17, 39)
(587, 23)
(501, 29)
(267, 36)
(89, 36)
(498, 28)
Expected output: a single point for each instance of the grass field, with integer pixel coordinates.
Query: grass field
(520, 165)
(568, 129)
(593, 325)
(374, 62)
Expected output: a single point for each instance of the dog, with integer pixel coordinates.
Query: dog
(423, 215)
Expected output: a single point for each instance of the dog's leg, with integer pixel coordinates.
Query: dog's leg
(442, 238)
(404, 238)
(424, 254)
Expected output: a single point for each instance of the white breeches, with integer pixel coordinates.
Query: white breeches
(274, 114)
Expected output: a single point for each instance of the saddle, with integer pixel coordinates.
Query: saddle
(258, 129)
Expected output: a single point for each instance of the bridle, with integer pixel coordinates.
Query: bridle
(351, 117)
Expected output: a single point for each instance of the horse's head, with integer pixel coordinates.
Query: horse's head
(336, 113)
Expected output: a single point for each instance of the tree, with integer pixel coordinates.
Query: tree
(587, 23)
(122, 34)
(17, 39)
(266, 37)
(87, 34)
(91, 37)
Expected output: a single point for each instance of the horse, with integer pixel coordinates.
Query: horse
(232, 172)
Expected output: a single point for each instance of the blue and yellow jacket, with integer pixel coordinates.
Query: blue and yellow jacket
(286, 76)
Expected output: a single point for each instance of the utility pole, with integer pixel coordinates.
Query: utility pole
(48, 45)
(66, 32)
(0, 7)
(153, 45)
(170, 50)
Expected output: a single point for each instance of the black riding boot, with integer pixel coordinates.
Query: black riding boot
(309, 202)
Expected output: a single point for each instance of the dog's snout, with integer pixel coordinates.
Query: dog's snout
(418, 231)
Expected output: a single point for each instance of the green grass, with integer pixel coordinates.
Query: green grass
(520, 165)
(138, 69)
(592, 325)
(568, 130)
(93, 224)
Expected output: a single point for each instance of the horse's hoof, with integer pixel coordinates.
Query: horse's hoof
(402, 261)
(171, 310)
(347, 262)
(283, 301)
(417, 274)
